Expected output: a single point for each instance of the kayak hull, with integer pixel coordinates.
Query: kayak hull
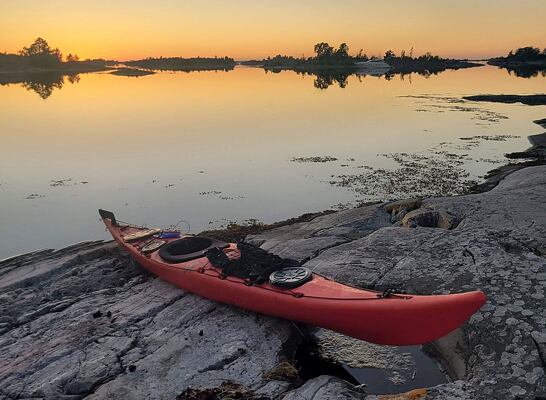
(397, 319)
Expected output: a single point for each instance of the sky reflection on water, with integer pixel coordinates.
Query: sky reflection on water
(217, 146)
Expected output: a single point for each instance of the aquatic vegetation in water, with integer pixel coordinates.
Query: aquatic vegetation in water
(33, 196)
(496, 138)
(66, 182)
(438, 171)
(437, 174)
(442, 104)
(221, 196)
(314, 159)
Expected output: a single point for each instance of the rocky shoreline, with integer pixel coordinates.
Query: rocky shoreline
(85, 322)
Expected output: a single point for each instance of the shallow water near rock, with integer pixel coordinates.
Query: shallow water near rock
(426, 373)
(213, 147)
(383, 369)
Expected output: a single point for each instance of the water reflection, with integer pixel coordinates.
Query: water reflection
(42, 83)
(527, 71)
(45, 83)
(212, 147)
(326, 78)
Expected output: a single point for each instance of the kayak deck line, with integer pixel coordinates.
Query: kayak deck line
(218, 274)
(392, 319)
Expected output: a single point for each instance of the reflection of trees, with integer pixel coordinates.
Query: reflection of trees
(75, 78)
(325, 79)
(43, 83)
(44, 89)
(426, 74)
(526, 71)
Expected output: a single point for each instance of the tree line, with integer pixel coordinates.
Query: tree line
(324, 56)
(179, 63)
(41, 55)
(528, 53)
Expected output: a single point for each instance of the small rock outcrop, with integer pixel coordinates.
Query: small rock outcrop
(528, 99)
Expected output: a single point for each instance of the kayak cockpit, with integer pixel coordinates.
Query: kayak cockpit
(189, 248)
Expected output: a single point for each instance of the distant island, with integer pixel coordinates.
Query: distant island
(184, 64)
(331, 58)
(334, 65)
(425, 63)
(524, 62)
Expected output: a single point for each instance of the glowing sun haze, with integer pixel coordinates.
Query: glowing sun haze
(246, 29)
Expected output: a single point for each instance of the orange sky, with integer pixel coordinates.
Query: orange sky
(245, 29)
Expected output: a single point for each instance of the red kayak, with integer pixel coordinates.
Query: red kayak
(377, 317)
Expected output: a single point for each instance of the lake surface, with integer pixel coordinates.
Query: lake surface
(212, 147)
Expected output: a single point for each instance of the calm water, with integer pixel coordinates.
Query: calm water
(209, 147)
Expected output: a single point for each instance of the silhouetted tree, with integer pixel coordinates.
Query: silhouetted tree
(342, 51)
(389, 55)
(527, 53)
(40, 54)
(72, 57)
(323, 50)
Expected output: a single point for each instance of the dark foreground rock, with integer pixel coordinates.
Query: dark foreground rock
(541, 122)
(85, 322)
(530, 99)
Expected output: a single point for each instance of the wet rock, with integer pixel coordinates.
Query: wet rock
(495, 245)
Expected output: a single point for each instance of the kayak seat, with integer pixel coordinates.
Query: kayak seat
(189, 248)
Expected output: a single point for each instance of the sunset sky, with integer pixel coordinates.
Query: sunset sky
(246, 29)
